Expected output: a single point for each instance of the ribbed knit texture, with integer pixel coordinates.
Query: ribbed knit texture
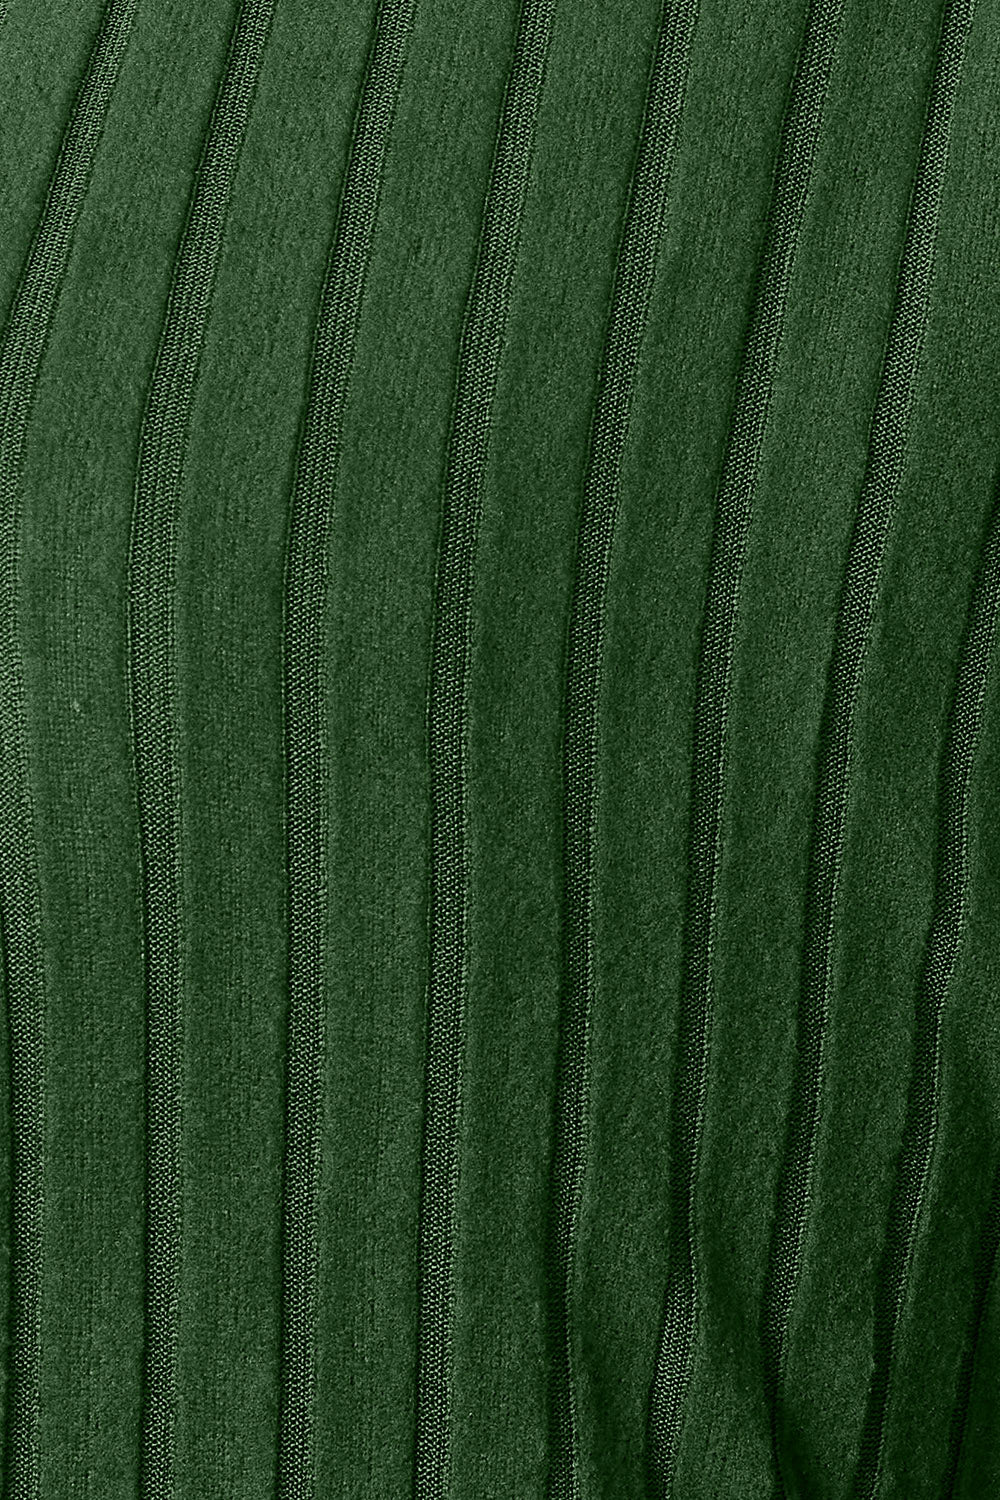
(499, 731)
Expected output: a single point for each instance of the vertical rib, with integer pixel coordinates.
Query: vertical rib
(21, 351)
(153, 708)
(635, 271)
(483, 329)
(886, 455)
(948, 921)
(800, 132)
(985, 1280)
(306, 752)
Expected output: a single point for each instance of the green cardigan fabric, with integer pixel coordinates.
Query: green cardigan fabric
(500, 749)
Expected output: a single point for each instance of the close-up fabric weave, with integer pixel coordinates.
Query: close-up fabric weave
(500, 750)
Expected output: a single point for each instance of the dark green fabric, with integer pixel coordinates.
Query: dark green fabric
(76, 483)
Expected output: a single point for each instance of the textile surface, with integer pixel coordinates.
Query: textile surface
(500, 749)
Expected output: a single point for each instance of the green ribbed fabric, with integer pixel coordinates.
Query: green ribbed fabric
(499, 733)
